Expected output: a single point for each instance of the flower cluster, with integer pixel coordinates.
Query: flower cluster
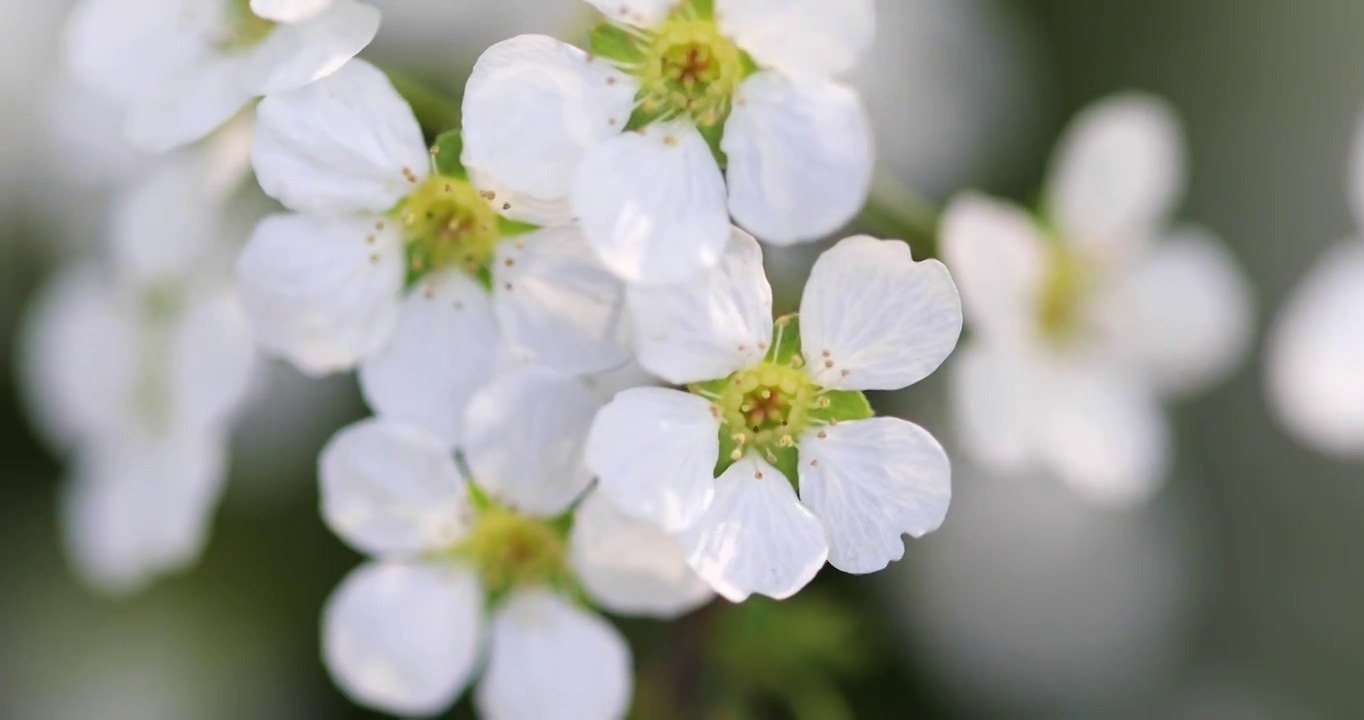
(559, 317)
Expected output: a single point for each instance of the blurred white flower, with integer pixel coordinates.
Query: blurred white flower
(1315, 365)
(184, 67)
(787, 409)
(411, 270)
(632, 134)
(406, 632)
(138, 367)
(1084, 317)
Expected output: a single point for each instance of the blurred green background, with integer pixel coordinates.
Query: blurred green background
(1237, 594)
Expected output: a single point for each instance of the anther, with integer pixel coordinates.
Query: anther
(822, 435)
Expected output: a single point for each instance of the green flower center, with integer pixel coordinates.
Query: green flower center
(446, 222)
(245, 28)
(1065, 292)
(689, 70)
(766, 408)
(509, 550)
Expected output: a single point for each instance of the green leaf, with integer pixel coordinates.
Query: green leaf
(506, 227)
(446, 154)
(713, 134)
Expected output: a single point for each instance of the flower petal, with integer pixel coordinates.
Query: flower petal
(288, 11)
(998, 260)
(639, 13)
(756, 537)
(1104, 434)
(630, 567)
(307, 49)
(653, 204)
(339, 145)
(1316, 352)
(212, 361)
(81, 349)
(404, 638)
(996, 394)
(319, 293)
(654, 452)
(1118, 174)
(707, 328)
(800, 160)
(140, 505)
(192, 103)
(519, 206)
(549, 658)
(869, 482)
(128, 49)
(533, 105)
(525, 436)
(800, 37)
(557, 304)
(874, 319)
(1185, 315)
(441, 351)
(390, 488)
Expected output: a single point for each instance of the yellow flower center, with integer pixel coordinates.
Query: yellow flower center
(446, 222)
(509, 550)
(689, 69)
(1065, 292)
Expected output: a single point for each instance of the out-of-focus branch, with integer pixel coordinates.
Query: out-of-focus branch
(895, 210)
(435, 111)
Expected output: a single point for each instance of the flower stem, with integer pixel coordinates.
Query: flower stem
(896, 210)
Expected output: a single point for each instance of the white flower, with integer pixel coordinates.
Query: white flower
(184, 67)
(409, 269)
(139, 370)
(787, 412)
(1315, 366)
(1082, 319)
(468, 571)
(631, 134)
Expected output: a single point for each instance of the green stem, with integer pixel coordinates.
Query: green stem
(895, 210)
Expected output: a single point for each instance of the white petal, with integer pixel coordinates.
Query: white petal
(640, 13)
(81, 348)
(557, 304)
(631, 567)
(318, 292)
(1105, 434)
(800, 160)
(1118, 174)
(525, 437)
(390, 488)
(404, 638)
(998, 259)
(190, 105)
(520, 206)
(608, 384)
(653, 203)
(869, 482)
(339, 145)
(874, 319)
(212, 360)
(1185, 314)
(1316, 353)
(803, 37)
(305, 50)
(127, 49)
(140, 505)
(654, 452)
(756, 537)
(532, 107)
(550, 659)
(996, 396)
(710, 327)
(288, 11)
(441, 352)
